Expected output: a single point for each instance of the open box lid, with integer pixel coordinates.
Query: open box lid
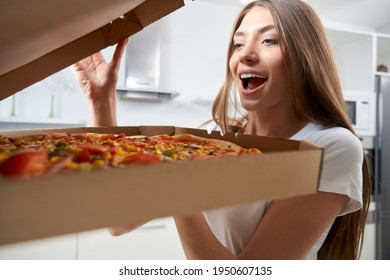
(39, 38)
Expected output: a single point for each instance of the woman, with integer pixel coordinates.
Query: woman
(281, 64)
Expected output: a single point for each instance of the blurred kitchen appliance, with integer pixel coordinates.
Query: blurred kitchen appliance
(382, 163)
(142, 67)
(361, 108)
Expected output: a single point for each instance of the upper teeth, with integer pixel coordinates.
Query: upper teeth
(250, 75)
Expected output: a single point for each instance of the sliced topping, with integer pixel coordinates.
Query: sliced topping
(25, 163)
(170, 152)
(93, 148)
(58, 164)
(142, 158)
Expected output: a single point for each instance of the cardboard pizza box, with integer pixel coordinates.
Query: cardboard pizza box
(63, 204)
(39, 38)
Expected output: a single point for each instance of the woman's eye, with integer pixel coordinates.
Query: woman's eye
(269, 42)
(237, 45)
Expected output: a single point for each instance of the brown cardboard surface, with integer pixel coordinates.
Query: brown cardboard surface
(39, 38)
(61, 204)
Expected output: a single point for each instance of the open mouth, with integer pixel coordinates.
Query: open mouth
(252, 81)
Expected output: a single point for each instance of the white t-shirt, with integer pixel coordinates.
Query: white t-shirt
(341, 173)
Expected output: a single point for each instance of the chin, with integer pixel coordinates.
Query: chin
(250, 105)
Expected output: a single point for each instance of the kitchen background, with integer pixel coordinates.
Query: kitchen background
(185, 53)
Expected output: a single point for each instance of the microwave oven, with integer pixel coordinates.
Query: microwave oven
(361, 109)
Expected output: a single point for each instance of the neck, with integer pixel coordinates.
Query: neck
(275, 125)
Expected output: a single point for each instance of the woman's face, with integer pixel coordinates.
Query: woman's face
(257, 64)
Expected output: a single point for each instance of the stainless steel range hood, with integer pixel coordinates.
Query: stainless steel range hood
(142, 67)
(146, 95)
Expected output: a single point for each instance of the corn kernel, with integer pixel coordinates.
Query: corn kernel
(72, 166)
(98, 163)
(107, 156)
(120, 152)
(3, 155)
(131, 148)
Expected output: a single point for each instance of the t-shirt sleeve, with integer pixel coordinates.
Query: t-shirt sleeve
(342, 167)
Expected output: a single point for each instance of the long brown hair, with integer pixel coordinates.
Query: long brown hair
(317, 96)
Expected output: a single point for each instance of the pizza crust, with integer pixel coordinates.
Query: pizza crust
(223, 144)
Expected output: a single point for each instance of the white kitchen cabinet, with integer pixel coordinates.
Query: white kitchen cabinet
(353, 53)
(16, 123)
(383, 50)
(357, 54)
(55, 248)
(156, 240)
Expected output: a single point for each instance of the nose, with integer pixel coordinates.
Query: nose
(248, 53)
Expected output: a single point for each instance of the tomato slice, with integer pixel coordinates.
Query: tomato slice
(25, 163)
(107, 137)
(93, 148)
(198, 156)
(142, 158)
(84, 156)
(121, 136)
(138, 143)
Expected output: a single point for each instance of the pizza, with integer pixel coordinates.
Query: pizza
(51, 153)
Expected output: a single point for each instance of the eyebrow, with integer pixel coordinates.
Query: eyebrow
(261, 30)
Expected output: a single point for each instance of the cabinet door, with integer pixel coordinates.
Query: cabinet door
(155, 240)
(383, 54)
(56, 248)
(353, 55)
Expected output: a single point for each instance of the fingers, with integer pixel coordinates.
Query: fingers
(82, 64)
(118, 53)
(79, 65)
